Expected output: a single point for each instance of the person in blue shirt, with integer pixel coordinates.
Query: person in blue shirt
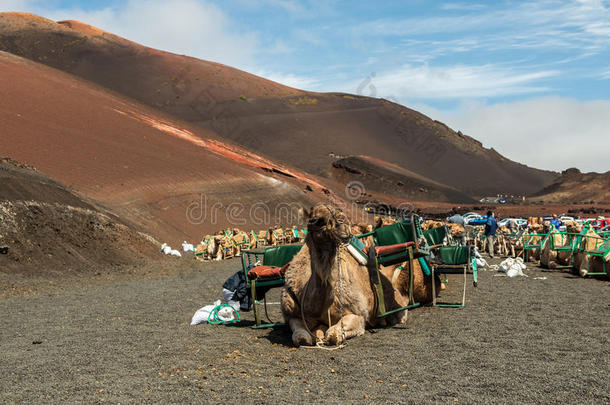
(490, 232)
(556, 222)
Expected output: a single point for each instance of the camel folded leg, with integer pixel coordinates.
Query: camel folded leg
(353, 325)
(300, 335)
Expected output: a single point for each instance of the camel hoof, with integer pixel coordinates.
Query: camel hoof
(333, 337)
(583, 272)
(443, 287)
(301, 338)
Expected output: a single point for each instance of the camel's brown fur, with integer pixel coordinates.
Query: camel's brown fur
(594, 263)
(431, 224)
(312, 280)
(551, 259)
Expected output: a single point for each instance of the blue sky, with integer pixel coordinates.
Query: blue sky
(531, 78)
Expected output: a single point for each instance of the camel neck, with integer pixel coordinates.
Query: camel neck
(323, 259)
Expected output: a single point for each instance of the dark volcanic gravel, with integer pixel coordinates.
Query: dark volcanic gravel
(127, 339)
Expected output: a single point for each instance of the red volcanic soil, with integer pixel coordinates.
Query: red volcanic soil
(132, 69)
(301, 129)
(142, 165)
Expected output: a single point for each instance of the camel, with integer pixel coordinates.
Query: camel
(431, 224)
(536, 229)
(201, 253)
(215, 250)
(359, 229)
(585, 264)
(551, 259)
(328, 296)
(290, 236)
(239, 239)
(383, 221)
(275, 236)
(261, 237)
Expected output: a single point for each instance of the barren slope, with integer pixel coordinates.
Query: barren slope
(286, 124)
(386, 178)
(576, 187)
(45, 226)
(138, 163)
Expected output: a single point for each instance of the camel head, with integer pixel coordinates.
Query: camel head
(327, 225)
(572, 227)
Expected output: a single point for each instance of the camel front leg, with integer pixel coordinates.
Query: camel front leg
(353, 325)
(300, 335)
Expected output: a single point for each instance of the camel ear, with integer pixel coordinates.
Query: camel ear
(305, 213)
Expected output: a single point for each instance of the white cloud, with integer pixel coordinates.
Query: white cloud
(548, 133)
(540, 24)
(191, 27)
(298, 82)
(453, 82)
(14, 5)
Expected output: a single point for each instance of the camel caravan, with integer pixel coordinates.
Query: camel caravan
(579, 247)
(229, 243)
(339, 278)
(344, 278)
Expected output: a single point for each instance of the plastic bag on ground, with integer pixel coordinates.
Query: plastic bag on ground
(166, 249)
(202, 314)
(187, 247)
(512, 267)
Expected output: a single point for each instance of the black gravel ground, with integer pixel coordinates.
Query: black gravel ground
(126, 339)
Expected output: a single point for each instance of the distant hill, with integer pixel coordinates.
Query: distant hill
(387, 178)
(297, 128)
(173, 180)
(573, 186)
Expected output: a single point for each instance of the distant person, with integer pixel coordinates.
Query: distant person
(556, 222)
(456, 219)
(490, 232)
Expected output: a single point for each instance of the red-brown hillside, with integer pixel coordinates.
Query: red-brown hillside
(576, 187)
(142, 165)
(283, 123)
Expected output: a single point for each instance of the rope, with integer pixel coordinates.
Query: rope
(214, 318)
(319, 342)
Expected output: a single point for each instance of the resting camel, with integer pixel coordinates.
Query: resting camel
(202, 248)
(290, 236)
(592, 241)
(383, 221)
(549, 258)
(537, 229)
(215, 250)
(327, 291)
(275, 236)
(240, 241)
(261, 237)
(359, 229)
(431, 224)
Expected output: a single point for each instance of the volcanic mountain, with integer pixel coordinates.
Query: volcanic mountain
(302, 129)
(173, 180)
(390, 179)
(573, 186)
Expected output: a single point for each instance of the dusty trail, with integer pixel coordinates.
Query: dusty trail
(127, 338)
